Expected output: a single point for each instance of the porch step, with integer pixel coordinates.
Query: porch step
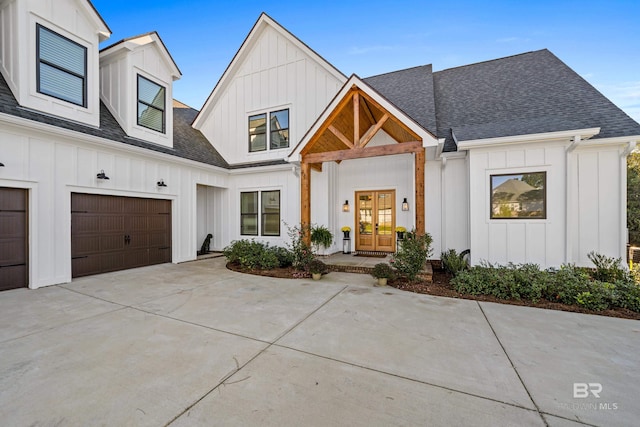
(426, 274)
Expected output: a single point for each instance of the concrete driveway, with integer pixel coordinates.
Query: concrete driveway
(196, 344)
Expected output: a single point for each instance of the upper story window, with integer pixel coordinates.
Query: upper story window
(519, 196)
(273, 133)
(151, 104)
(62, 67)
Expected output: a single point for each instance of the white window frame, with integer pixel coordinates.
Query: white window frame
(137, 112)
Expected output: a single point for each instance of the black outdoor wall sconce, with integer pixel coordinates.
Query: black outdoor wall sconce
(102, 175)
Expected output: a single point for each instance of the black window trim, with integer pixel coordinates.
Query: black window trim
(267, 113)
(256, 214)
(259, 215)
(262, 213)
(139, 101)
(544, 199)
(57, 67)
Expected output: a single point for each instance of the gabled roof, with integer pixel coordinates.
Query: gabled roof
(338, 104)
(263, 21)
(132, 43)
(530, 93)
(104, 32)
(188, 143)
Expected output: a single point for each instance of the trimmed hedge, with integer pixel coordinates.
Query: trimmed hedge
(568, 285)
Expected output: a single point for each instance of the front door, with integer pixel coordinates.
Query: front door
(376, 220)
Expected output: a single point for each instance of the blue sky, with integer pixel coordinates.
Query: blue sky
(600, 40)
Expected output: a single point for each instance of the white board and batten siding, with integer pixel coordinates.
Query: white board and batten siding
(52, 166)
(583, 204)
(447, 204)
(274, 75)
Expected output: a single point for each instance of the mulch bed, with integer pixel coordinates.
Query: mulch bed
(442, 287)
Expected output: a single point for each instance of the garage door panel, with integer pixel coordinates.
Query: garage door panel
(139, 240)
(133, 206)
(159, 255)
(108, 204)
(137, 223)
(12, 251)
(159, 239)
(13, 277)
(12, 224)
(112, 224)
(137, 258)
(13, 199)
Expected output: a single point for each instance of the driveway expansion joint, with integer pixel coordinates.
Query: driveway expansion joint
(513, 366)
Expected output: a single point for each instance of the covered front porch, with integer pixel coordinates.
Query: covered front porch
(362, 165)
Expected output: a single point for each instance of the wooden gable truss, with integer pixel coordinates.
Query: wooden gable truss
(345, 134)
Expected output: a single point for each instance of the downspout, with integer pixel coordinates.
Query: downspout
(577, 140)
(624, 230)
(443, 201)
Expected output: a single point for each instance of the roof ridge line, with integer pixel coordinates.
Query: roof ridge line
(492, 60)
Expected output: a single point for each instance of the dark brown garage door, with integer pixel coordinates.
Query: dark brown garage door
(110, 233)
(13, 238)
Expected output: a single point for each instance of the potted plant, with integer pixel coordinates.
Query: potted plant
(321, 236)
(346, 230)
(317, 268)
(383, 271)
(400, 230)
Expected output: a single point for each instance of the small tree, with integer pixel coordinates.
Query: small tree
(301, 251)
(412, 255)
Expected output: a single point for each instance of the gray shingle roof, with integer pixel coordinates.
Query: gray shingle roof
(532, 92)
(410, 90)
(188, 143)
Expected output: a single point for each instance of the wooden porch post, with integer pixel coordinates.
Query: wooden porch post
(305, 197)
(419, 181)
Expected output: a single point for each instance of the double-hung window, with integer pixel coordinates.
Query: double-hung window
(61, 68)
(151, 104)
(260, 213)
(272, 133)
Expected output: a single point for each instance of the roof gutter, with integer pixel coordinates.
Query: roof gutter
(528, 138)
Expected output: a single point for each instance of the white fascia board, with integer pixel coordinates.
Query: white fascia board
(263, 21)
(134, 43)
(259, 169)
(617, 140)
(104, 143)
(528, 138)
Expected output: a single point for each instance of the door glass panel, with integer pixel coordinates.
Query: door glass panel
(384, 214)
(365, 210)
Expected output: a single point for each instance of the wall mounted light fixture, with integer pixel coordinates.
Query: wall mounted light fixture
(1, 165)
(161, 183)
(102, 175)
(405, 204)
(345, 207)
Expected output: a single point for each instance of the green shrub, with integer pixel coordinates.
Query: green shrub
(382, 270)
(412, 255)
(284, 255)
(599, 297)
(453, 262)
(627, 295)
(608, 269)
(512, 281)
(251, 254)
(300, 250)
(321, 236)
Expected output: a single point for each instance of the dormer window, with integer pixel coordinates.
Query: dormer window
(151, 105)
(62, 67)
(273, 133)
